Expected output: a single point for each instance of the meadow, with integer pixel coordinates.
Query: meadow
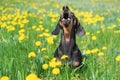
(27, 46)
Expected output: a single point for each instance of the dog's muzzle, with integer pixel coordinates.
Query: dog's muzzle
(66, 16)
(66, 19)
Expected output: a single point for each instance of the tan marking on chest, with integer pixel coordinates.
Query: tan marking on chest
(67, 32)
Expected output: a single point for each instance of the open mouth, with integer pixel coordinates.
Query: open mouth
(65, 18)
(65, 15)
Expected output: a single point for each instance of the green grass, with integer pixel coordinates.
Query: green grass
(14, 61)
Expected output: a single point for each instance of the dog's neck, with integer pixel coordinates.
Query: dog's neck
(67, 32)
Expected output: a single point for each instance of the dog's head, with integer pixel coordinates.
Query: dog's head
(68, 21)
(65, 17)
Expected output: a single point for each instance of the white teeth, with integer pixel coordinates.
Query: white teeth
(68, 18)
(63, 19)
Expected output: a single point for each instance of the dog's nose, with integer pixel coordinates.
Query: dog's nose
(65, 8)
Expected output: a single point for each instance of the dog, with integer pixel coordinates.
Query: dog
(70, 26)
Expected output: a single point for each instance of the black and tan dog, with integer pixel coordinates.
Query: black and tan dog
(70, 26)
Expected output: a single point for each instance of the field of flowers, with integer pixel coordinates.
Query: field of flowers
(27, 45)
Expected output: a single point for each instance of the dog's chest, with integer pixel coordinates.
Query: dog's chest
(67, 33)
(67, 46)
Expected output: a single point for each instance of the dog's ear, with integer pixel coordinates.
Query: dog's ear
(56, 31)
(79, 30)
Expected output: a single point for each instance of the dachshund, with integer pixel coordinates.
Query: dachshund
(70, 26)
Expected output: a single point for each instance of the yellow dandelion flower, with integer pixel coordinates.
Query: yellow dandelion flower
(64, 57)
(3, 25)
(37, 43)
(104, 48)
(53, 59)
(94, 50)
(41, 35)
(41, 27)
(43, 49)
(100, 54)
(54, 20)
(38, 79)
(13, 22)
(33, 27)
(56, 71)
(4, 78)
(46, 56)
(21, 37)
(21, 31)
(54, 36)
(58, 63)
(117, 31)
(38, 29)
(88, 52)
(99, 18)
(94, 38)
(32, 54)
(46, 30)
(112, 26)
(117, 58)
(24, 21)
(50, 40)
(46, 34)
(52, 63)
(41, 22)
(45, 66)
(21, 25)
(10, 28)
(32, 77)
(87, 33)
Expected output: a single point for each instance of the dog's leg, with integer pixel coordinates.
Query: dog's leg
(77, 58)
(56, 55)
